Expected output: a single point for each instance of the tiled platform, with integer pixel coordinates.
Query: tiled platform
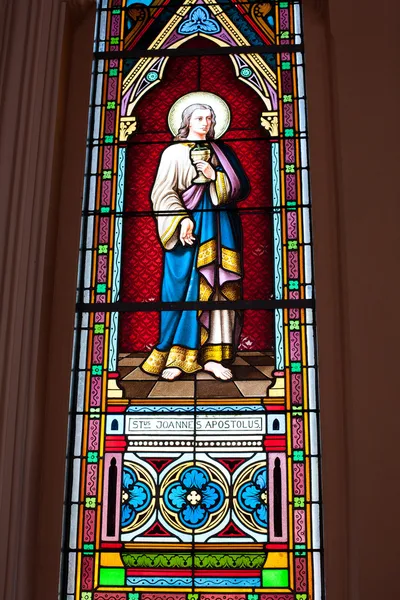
(252, 375)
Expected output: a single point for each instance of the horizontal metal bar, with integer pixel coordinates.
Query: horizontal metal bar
(211, 305)
(248, 210)
(169, 4)
(217, 51)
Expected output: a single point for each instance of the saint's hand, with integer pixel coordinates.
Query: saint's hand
(186, 235)
(206, 169)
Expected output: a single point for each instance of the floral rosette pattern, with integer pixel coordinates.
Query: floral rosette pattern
(194, 498)
(137, 498)
(251, 491)
(252, 497)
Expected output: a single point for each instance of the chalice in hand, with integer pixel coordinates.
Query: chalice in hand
(200, 152)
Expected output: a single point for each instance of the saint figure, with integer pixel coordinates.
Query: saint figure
(200, 231)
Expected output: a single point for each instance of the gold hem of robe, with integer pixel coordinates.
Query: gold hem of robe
(177, 357)
(216, 353)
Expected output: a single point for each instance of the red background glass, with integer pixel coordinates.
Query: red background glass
(142, 253)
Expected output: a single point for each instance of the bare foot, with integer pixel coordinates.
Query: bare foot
(171, 374)
(218, 370)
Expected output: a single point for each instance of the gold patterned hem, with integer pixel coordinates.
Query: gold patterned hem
(220, 186)
(179, 357)
(207, 253)
(155, 362)
(216, 352)
(169, 232)
(184, 359)
(231, 261)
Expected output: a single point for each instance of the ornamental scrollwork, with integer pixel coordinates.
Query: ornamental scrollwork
(269, 120)
(127, 126)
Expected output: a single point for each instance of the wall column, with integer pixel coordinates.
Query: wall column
(35, 39)
(353, 88)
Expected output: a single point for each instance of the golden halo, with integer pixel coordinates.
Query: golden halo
(220, 107)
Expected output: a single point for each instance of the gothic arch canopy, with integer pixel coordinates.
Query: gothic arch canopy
(214, 26)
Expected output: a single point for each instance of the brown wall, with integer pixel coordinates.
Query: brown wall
(352, 53)
(355, 194)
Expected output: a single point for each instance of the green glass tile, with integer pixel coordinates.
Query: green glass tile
(300, 550)
(90, 502)
(112, 576)
(299, 501)
(88, 547)
(275, 578)
(298, 455)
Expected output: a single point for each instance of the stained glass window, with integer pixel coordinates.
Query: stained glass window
(193, 463)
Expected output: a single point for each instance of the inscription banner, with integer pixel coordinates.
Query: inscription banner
(136, 425)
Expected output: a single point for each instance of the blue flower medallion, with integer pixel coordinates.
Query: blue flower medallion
(136, 496)
(194, 497)
(253, 496)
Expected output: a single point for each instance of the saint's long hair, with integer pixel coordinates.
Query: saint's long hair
(183, 131)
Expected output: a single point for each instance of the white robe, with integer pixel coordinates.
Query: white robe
(175, 175)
